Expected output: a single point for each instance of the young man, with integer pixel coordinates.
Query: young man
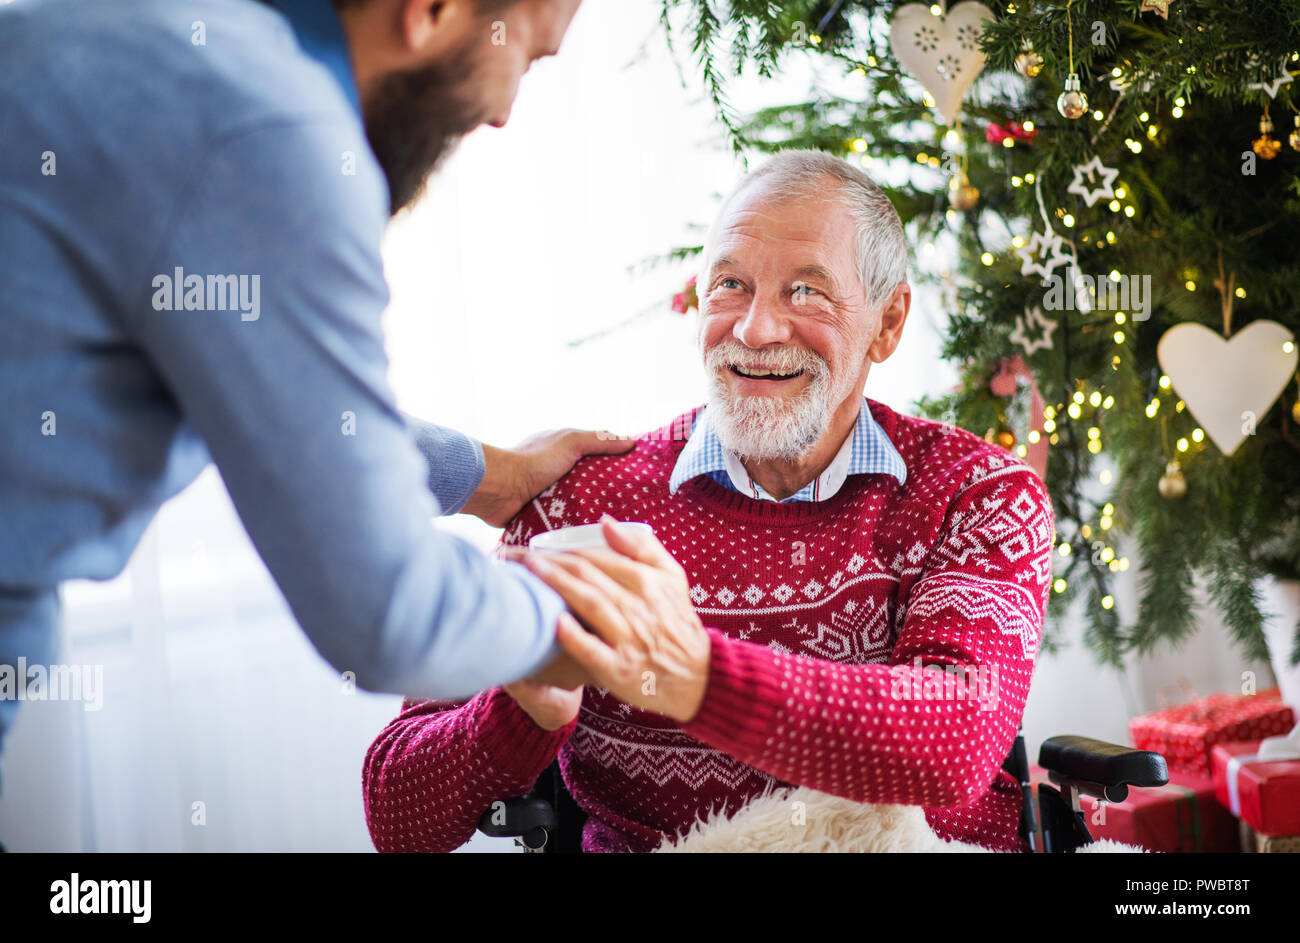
(192, 197)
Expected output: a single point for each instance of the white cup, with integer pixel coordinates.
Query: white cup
(580, 537)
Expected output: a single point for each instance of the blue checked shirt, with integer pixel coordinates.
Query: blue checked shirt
(866, 451)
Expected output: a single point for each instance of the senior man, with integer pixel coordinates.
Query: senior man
(873, 584)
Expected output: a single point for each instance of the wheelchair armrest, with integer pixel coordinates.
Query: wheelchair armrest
(1100, 769)
(531, 819)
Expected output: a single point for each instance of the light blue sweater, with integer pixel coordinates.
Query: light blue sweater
(190, 220)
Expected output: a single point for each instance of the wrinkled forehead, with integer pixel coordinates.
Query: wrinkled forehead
(764, 223)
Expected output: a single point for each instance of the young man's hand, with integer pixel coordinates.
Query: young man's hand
(516, 476)
(553, 695)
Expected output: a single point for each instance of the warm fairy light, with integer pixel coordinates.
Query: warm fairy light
(936, 10)
(1114, 208)
(1176, 112)
(1119, 317)
(1095, 399)
(858, 73)
(928, 99)
(1028, 126)
(1119, 337)
(1121, 192)
(1198, 434)
(987, 258)
(1063, 550)
(1180, 101)
(1074, 411)
(1021, 451)
(1107, 602)
(1116, 72)
(1179, 406)
(1059, 586)
(1094, 446)
(1049, 412)
(1029, 178)
(1288, 346)
(1008, 142)
(1049, 425)
(1106, 521)
(1164, 382)
(1018, 241)
(1182, 445)
(871, 61)
(1086, 530)
(1240, 292)
(1068, 220)
(815, 39)
(1016, 181)
(1078, 397)
(1034, 436)
(1107, 555)
(1151, 409)
(1098, 115)
(1128, 211)
(1054, 439)
(1114, 275)
(1108, 509)
(1110, 236)
(1144, 117)
(1108, 402)
(1094, 432)
(1189, 285)
(859, 145)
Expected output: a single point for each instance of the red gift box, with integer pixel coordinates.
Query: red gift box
(1181, 816)
(1261, 790)
(1186, 734)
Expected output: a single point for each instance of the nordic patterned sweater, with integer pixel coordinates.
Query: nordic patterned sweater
(877, 646)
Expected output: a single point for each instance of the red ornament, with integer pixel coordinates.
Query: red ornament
(996, 133)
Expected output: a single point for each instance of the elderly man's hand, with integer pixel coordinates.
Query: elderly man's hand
(647, 645)
(513, 477)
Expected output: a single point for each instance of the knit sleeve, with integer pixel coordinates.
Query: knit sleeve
(907, 732)
(438, 766)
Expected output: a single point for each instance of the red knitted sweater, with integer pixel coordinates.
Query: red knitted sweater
(877, 646)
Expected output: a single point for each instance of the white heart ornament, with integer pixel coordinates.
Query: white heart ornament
(1219, 379)
(942, 52)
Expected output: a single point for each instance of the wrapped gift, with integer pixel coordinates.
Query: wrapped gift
(1259, 782)
(1181, 816)
(1253, 841)
(1186, 734)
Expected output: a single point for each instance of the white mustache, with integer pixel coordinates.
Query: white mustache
(781, 359)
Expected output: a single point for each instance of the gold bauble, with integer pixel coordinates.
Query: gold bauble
(1294, 139)
(1172, 483)
(1029, 63)
(961, 195)
(1007, 439)
(1295, 410)
(1072, 103)
(1266, 146)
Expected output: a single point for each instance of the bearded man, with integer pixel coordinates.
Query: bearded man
(840, 596)
(192, 198)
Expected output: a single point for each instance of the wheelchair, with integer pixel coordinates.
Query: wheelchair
(548, 821)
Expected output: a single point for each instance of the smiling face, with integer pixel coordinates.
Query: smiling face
(786, 330)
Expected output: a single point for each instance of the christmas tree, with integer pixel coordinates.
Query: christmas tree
(1117, 169)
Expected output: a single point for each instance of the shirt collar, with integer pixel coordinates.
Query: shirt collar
(320, 34)
(866, 451)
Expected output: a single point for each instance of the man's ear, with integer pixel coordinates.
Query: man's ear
(892, 317)
(425, 24)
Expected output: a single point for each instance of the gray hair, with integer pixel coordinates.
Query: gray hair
(882, 253)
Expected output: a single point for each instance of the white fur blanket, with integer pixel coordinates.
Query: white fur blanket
(804, 820)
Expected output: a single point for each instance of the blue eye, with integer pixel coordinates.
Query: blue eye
(804, 290)
(733, 281)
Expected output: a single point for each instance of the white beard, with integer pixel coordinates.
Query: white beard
(767, 428)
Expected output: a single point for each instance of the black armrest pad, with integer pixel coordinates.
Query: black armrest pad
(511, 818)
(1107, 764)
